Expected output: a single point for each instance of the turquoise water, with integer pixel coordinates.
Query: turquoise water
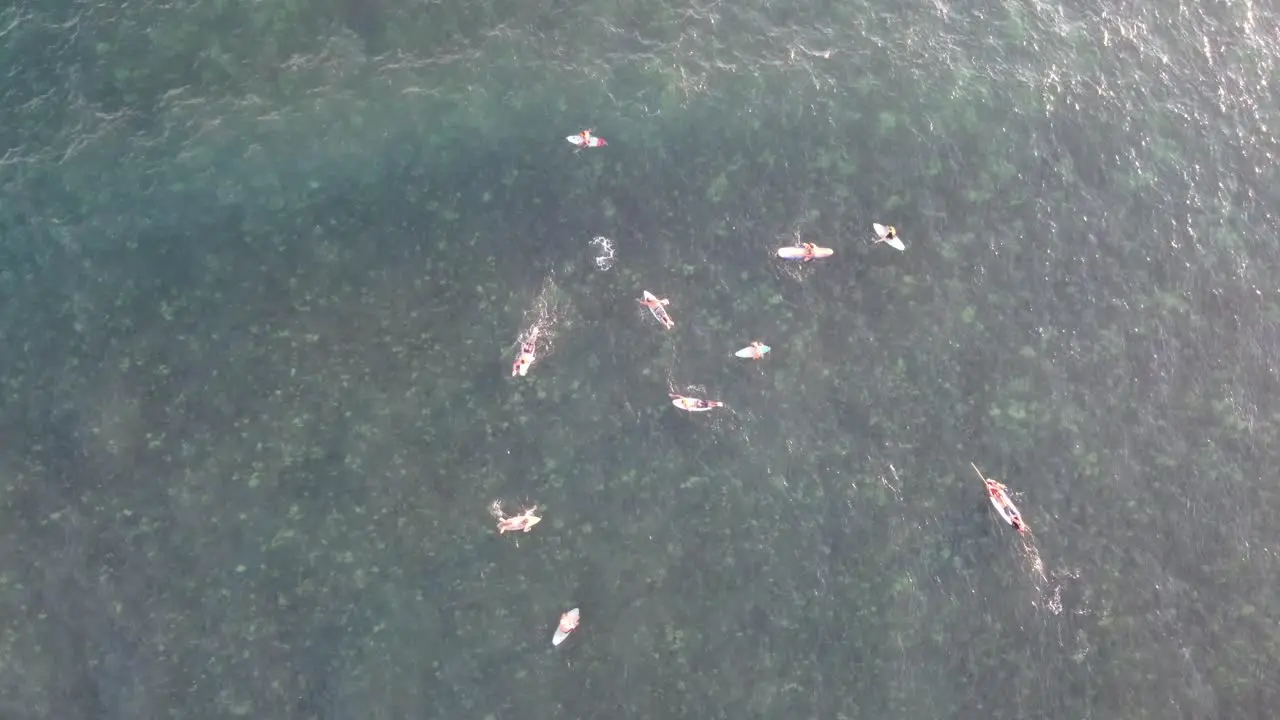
(264, 268)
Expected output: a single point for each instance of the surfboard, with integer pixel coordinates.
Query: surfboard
(882, 233)
(593, 142)
(895, 243)
(1000, 500)
(656, 309)
(568, 623)
(750, 352)
(683, 404)
(795, 253)
(1006, 509)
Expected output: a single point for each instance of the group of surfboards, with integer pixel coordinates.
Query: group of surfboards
(527, 518)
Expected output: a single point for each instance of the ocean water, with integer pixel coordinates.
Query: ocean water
(264, 268)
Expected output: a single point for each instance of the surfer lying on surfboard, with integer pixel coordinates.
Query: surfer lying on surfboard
(657, 308)
(528, 353)
(585, 139)
(806, 252)
(523, 522)
(568, 623)
(694, 404)
(754, 351)
(888, 236)
(999, 495)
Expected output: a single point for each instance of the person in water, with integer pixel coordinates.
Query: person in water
(528, 353)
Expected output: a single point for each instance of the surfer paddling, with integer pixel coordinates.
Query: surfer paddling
(586, 139)
(522, 522)
(657, 307)
(999, 495)
(528, 353)
(568, 623)
(887, 235)
(805, 252)
(694, 404)
(754, 351)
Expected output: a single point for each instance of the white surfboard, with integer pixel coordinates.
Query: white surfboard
(568, 623)
(751, 352)
(657, 309)
(1000, 500)
(882, 235)
(682, 403)
(796, 253)
(1006, 509)
(593, 142)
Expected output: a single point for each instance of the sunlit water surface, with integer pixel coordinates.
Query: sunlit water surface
(264, 269)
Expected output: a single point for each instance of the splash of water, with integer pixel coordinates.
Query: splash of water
(605, 255)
